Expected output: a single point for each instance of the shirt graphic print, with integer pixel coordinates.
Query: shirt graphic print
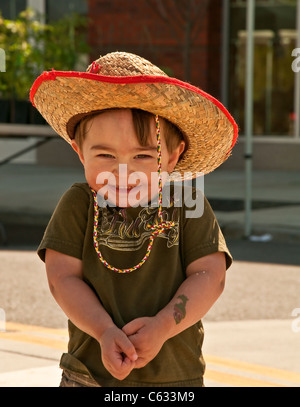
(127, 229)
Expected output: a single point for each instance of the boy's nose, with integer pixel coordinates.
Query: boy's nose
(122, 173)
(128, 175)
(123, 169)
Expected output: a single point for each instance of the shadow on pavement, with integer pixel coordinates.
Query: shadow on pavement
(265, 252)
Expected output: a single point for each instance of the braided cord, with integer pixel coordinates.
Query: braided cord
(156, 229)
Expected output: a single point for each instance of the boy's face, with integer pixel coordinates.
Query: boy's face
(112, 157)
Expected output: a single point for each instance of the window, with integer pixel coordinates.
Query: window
(275, 37)
(11, 9)
(58, 9)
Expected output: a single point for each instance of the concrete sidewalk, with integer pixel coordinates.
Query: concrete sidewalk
(237, 354)
(30, 356)
(252, 353)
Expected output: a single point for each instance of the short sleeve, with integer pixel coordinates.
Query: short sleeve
(66, 229)
(201, 233)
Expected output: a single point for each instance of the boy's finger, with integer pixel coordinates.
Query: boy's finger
(128, 349)
(132, 327)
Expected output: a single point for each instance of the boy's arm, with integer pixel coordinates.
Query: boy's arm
(204, 284)
(84, 309)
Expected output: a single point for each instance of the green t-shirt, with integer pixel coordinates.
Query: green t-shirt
(123, 238)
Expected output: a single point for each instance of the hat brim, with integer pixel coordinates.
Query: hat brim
(211, 131)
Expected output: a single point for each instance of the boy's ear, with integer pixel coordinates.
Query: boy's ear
(174, 156)
(78, 151)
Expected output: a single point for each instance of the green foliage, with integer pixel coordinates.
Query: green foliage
(31, 47)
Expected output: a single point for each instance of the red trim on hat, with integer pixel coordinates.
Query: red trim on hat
(52, 75)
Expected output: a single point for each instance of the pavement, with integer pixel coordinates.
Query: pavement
(252, 332)
(235, 354)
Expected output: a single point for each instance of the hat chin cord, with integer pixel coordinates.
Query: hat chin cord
(156, 229)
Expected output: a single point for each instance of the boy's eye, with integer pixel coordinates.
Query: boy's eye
(141, 156)
(105, 155)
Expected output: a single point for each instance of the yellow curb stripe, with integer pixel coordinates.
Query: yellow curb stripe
(53, 338)
(254, 368)
(236, 380)
(13, 326)
(34, 335)
(49, 342)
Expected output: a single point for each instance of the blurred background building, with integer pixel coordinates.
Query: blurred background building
(200, 41)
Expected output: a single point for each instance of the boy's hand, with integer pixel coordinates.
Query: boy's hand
(198, 292)
(147, 337)
(118, 353)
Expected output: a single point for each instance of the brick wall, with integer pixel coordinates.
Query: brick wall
(183, 36)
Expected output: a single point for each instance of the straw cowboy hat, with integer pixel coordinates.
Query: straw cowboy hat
(123, 80)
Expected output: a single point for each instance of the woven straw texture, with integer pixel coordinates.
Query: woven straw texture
(210, 130)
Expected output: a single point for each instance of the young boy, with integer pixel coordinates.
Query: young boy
(133, 279)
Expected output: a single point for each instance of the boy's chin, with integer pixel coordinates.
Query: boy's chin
(128, 201)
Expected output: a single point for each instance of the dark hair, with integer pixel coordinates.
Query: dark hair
(141, 121)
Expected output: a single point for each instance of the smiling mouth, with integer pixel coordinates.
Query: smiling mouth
(123, 189)
(122, 194)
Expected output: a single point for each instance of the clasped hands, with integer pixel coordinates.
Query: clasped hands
(131, 347)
